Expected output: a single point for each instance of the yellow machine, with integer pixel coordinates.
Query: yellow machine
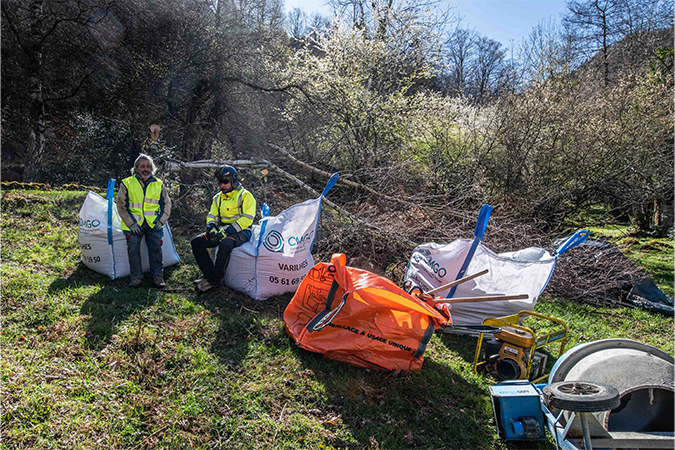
(511, 354)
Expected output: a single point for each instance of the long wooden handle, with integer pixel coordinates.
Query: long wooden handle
(495, 298)
(456, 282)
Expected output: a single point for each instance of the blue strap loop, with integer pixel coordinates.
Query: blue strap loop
(479, 231)
(574, 240)
(331, 182)
(481, 223)
(264, 210)
(110, 193)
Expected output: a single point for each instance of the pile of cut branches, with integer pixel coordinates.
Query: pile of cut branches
(378, 232)
(596, 273)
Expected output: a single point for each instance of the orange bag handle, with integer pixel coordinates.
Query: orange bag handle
(321, 320)
(340, 278)
(339, 261)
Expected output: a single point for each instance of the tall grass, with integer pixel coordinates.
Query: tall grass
(90, 363)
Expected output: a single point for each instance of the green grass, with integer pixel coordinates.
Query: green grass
(655, 255)
(90, 363)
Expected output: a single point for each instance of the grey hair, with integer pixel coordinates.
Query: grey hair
(138, 161)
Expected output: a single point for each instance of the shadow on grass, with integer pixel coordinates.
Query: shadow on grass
(111, 304)
(435, 408)
(463, 346)
(241, 319)
(236, 325)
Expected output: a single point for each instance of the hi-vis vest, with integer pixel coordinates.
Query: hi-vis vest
(143, 206)
(236, 208)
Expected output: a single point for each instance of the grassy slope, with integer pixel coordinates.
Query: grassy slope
(654, 254)
(90, 363)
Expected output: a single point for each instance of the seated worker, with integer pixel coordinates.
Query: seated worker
(144, 207)
(228, 225)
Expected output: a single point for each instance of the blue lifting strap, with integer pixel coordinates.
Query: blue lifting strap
(110, 193)
(574, 240)
(479, 231)
(331, 182)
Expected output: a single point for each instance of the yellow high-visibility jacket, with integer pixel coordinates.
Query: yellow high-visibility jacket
(144, 204)
(235, 209)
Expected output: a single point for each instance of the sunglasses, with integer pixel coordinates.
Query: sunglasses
(224, 181)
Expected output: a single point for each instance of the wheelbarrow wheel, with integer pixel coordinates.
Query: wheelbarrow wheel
(581, 396)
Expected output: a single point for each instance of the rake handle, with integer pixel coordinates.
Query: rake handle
(456, 282)
(496, 298)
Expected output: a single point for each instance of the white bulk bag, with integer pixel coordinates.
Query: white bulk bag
(279, 254)
(525, 271)
(102, 241)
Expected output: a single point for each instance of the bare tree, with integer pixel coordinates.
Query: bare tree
(460, 48)
(318, 25)
(545, 53)
(595, 25)
(296, 20)
(489, 62)
(38, 35)
(591, 23)
(643, 16)
(382, 19)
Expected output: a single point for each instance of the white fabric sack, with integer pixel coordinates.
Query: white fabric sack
(523, 272)
(279, 254)
(104, 247)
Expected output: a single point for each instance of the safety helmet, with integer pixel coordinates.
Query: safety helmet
(230, 172)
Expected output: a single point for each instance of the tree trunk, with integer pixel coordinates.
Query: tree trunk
(663, 215)
(642, 214)
(36, 142)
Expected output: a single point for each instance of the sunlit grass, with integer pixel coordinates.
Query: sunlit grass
(90, 363)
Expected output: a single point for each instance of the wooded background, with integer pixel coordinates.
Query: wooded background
(397, 95)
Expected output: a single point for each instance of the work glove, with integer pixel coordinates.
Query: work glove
(158, 226)
(222, 233)
(212, 234)
(135, 229)
(230, 231)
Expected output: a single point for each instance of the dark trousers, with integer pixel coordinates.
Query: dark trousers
(154, 241)
(200, 245)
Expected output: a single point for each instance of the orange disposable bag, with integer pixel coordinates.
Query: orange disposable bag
(353, 315)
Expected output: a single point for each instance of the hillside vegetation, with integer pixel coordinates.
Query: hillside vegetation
(90, 363)
(426, 119)
(400, 96)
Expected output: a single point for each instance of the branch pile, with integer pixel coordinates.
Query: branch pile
(379, 231)
(596, 272)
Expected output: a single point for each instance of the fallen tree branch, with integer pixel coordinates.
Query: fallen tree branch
(213, 164)
(334, 206)
(363, 187)
(344, 180)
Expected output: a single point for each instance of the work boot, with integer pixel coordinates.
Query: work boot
(136, 283)
(158, 281)
(205, 285)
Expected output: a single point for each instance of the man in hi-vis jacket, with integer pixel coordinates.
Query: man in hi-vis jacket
(228, 225)
(144, 207)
